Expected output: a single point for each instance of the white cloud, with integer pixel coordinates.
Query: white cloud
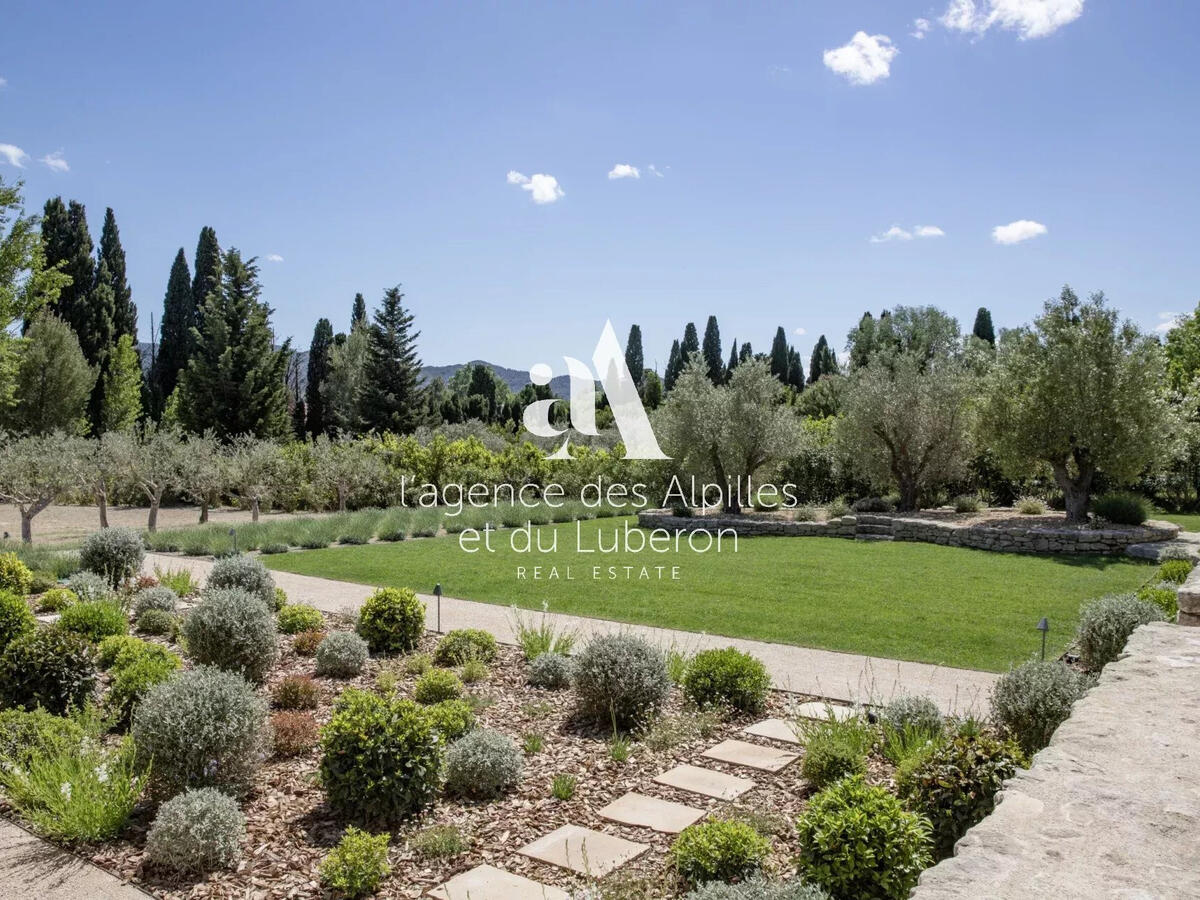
(543, 188)
(274, 257)
(865, 60)
(929, 231)
(1029, 18)
(623, 170)
(13, 155)
(55, 162)
(920, 29)
(800, 332)
(653, 170)
(1167, 321)
(896, 233)
(3, 82)
(1015, 232)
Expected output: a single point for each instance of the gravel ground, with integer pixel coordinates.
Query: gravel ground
(65, 523)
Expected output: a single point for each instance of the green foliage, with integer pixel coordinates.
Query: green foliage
(114, 646)
(1163, 595)
(1121, 508)
(296, 692)
(16, 619)
(483, 764)
(244, 572)
(671, 731)
(160, 598)
(196, 832)
(835, 748)
(1032, 700)
(1106, 624)
(549, 670)
(357, 865)
(94, 620)
(122, 387)
(15, 576)
(135, 671)
(174, 346)
(727, 677)
(563, 787)
(55, 600)
(157, 622)
(532, 742)
(858, 841)
(719, 851)
(536, 638)
(1030, 506)
(342, 654)
(955, 786)
(26, 734)
(912, 711)
(1175, 571)
(297, 617)
(114, 553)
(50, 668)
(392, 398)
(437, 685)
(233, 630)
(180, 582)
(464, 644)
(392, 620)
(451, 718)
(620, 680)
(381, 758)
(203, 727)
(967, 503)
(438, 842)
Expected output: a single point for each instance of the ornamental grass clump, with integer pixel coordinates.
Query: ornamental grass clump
(835, 748)
(719, 851)
(357, 865)
(392, 621)
(342, 654)
(114, 553)
(232, 630)
(620, 680)
(1106, 624)
(727, 677)
(464, 645)
(483, 764)
(1032, 700)
(196, 832)
(48, 668)
(246, 573)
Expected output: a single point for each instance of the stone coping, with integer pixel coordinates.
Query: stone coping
(1189, 599)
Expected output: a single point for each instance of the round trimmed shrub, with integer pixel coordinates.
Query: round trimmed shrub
(620, 680)
(381, 758)
(357, 865)
(157, 622)
(50, 668)
(549, 670)
(873, 505)
(465, 644)
(162, 598)
(112, 648)
(134, 674)
(342, 654)
(233, 630)
(483, 764)
(912, 712)
(297, 617)
(244, 572)
(1175, 571)
(437, 685)
(955, 785)
(25, 734)
(758, 889)
(15, 576)
(94, 619)
(115, 553)
(727, 677)
(196, 832)
(451, 718)
(1032, 700)
(392, 621)
(56, 600)
(296, 692)
(204, 727)
(1121, 508)
(16, 619)
(859, 841)
(281, 599)
(89, 587)
(719, 851)
(1106, 624)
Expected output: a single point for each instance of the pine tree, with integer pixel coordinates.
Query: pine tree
(207, 277)
(235, 382)
(122, 395)
(392, 396)
(358, 314)
(674, 366)
(175, 343)
(712, 352)
(112, 253)
(318, 419)
(689, 349)
(53, 381)
(779, 355)
(983, 326)
(634, 358)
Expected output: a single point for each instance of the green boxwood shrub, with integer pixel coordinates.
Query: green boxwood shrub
(15, 576)
(114, 553)
(719, 851)
(1164, 595)
(858, 841)
(162, 598)
(465, 644)
(50, 668)
(243, 572)
(203, 727)
(89, 587)
(134, 674)
(381, 758)
(451, 718)
(56, 599)
(341, 654)
(1175, 571)
(1106, 624)
(483, 764)
(1032, 700)
(727, 677)
(1121, 508)
(16, 619)
(297, 617)
(955, 785)
(620, 680)
(94, 620)
(549, 670)
(392, 621)
(357, 865)
(25, 734)
(437, 685)
(232, 629)
(196, 832)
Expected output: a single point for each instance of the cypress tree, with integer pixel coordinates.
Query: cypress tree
(112, 253)
(68, 244)
(634, 358)
(318, 419)
(779, 355)
(175, 343)
(236, 381)
(816, 363)
(746, 353)
(207, 277)
(358, 314)
(674, 366)
(983, 326)
(795, 377)
(690, 348)
(122, 400)
(96, 338)
(829, 365)
(712, 352)
(392, 397)
(733, 359)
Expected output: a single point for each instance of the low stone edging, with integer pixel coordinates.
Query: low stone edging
(1189, 600)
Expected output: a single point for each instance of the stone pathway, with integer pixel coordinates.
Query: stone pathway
(844, 677)
(1185, 545)
(32, 868)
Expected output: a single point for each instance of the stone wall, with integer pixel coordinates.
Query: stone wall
(1033, 539)
(1189, 599)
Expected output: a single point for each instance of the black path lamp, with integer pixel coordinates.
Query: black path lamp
(233, 537)
(437, 592)
(1043, 626)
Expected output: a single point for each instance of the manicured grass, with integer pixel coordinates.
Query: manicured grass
(1186, 521)
(966, 608)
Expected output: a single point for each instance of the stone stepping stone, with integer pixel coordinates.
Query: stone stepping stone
(490, 883)
(650, 812)
(821, 711)
(591, 853)
(752, 756)
(705, 781)
(775, 729)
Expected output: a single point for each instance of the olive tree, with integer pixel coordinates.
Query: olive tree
(100, 468)
(204, 473)
(34, 471)
(728, 433)
(342, 468)
(255, 468)
(905, 424)
(152, 461)
(1080, 392)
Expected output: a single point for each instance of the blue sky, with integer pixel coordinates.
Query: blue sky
(370, 144)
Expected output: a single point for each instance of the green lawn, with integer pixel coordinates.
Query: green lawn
(1186, 521)
(967, 608)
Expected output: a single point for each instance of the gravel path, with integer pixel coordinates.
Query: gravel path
(65, 523)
